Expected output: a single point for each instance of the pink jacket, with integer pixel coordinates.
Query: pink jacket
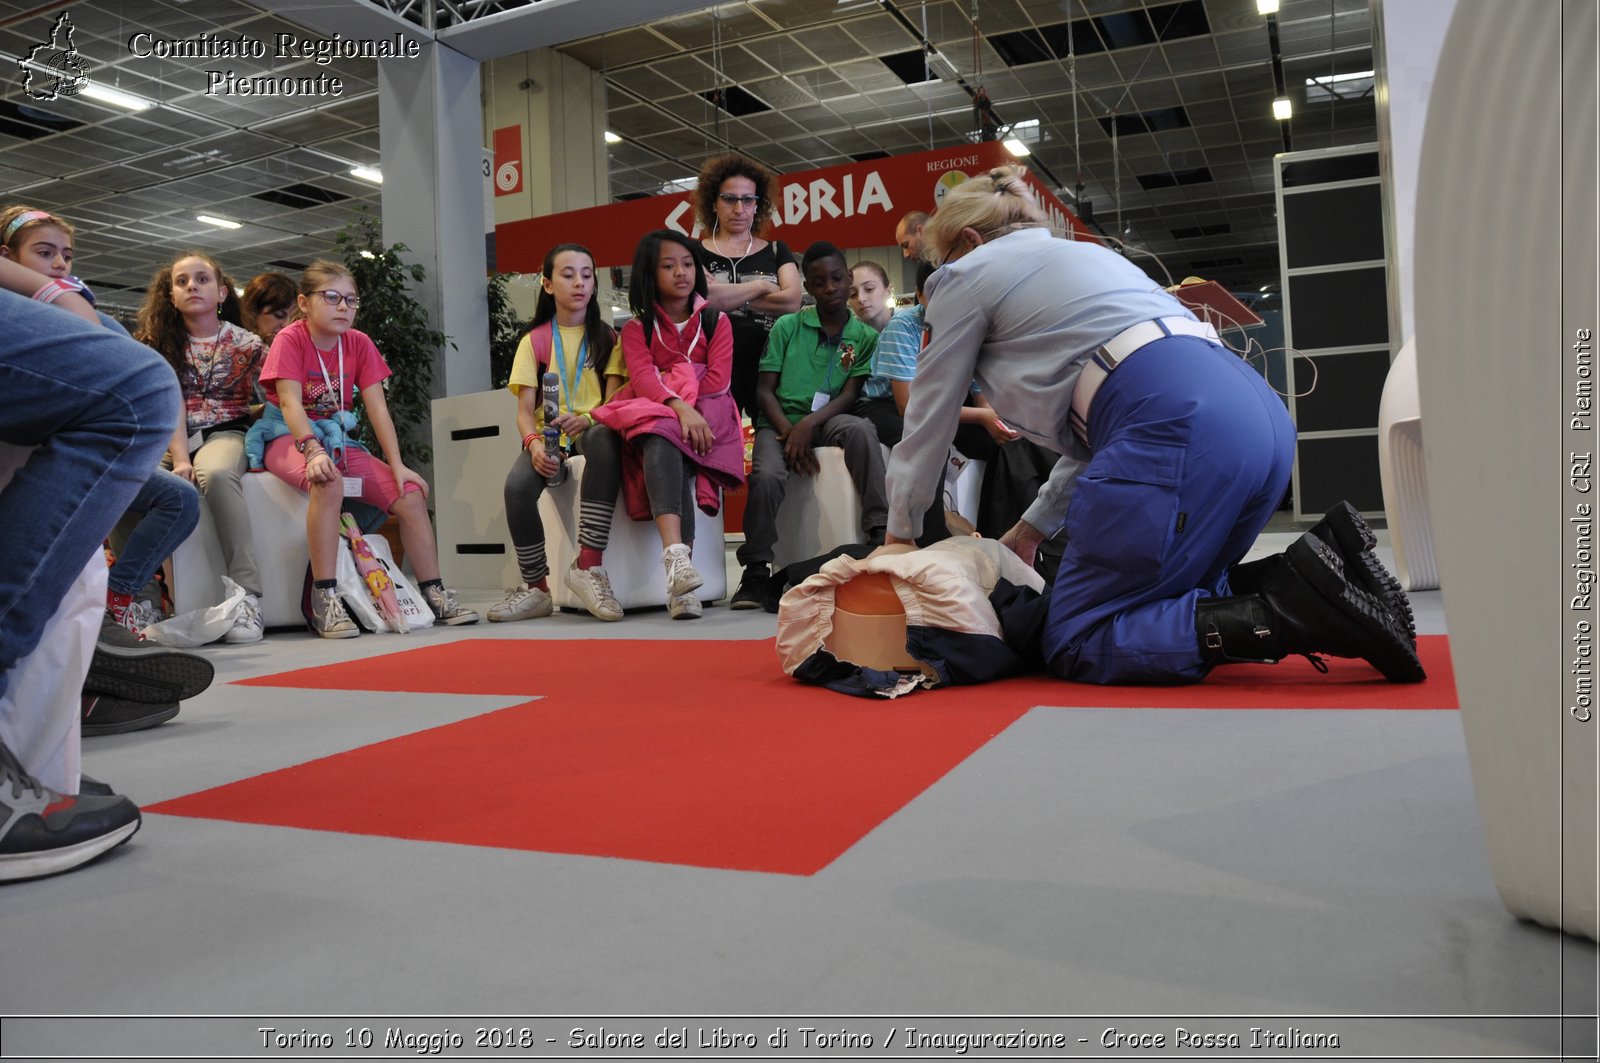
(695, 368)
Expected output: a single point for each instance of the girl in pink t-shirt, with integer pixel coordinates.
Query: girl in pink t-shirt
(316, 367)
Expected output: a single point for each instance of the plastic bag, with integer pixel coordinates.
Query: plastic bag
(201, 626)
(358, 599)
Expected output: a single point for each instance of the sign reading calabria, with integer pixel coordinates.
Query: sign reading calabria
(853, 205)
(282, 47)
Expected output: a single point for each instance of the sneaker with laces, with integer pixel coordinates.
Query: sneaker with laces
(106, 715)
(681, 575)
(328, 616)
(247, 626)
(521, 602)
(684, 607)
(752, 588)
(593, 588)
(43, 832)
(129, 613)
(446, 610)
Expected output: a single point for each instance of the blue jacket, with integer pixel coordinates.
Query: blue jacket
(333, 433)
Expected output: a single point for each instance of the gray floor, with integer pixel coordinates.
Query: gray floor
(1259, 865)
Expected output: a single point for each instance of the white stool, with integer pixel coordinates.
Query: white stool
(278, 532)
(818, 512)
(1404, 478)
(963, 486)
(633, 556)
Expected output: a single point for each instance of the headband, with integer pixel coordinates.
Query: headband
(25, 218)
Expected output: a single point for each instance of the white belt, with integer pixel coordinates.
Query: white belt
(1118, 349)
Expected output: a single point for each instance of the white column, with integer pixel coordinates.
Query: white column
(430, 121)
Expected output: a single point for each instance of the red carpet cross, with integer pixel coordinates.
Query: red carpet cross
(685, 752)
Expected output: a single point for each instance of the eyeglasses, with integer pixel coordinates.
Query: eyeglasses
(738, 201)
(332, 298)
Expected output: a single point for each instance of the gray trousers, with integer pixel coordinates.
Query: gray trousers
(601, 448)
(769, 482)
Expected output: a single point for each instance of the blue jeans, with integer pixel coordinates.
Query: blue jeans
(170, 508)
(101, 409)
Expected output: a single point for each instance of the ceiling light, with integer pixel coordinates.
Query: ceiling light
(221, 223)
(367, 173)
(1016, 147)
(1267, 7)
(1281, 110)
(612, 138)
(116, 97)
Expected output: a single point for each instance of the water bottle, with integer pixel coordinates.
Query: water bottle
(552, 434)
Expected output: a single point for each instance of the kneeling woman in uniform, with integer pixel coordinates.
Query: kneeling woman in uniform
(1174, 455)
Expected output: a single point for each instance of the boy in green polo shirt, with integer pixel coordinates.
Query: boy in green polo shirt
(807, 383)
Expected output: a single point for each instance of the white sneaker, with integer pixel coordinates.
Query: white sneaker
(684, 607)
(593, 588)
(681, 576)
(247, 626)
(522, 602)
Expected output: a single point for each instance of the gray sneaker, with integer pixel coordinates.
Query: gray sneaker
(684, 607)
(43, 832)
(328, 616)
(446, 610)
(593, 588)
(521, 602)
(247, 626)
(681, 576)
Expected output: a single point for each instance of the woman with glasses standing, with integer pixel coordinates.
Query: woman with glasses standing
(752, 280)
(315, 369)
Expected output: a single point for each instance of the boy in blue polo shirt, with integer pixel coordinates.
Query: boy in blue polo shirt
(807, 383)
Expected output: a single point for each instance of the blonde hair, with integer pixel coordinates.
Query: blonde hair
(18, 220)
(997, 203)
(321, 272)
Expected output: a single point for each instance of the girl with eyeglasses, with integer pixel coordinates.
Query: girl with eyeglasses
(317, 365)
(752, 280)
(188, 316)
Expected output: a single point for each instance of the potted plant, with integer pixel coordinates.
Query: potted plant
(506, 330)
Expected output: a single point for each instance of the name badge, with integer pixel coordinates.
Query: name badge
(352, 487)
(819, 400)
(196, 438)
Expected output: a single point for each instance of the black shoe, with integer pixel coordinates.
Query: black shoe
(43, 832)
(777, 586)
(876, 536)
(146, 672)
(752, 588)
(106, 715)
(1304, 604)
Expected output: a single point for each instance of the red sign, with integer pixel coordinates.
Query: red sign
(853, 205)
(508, 161)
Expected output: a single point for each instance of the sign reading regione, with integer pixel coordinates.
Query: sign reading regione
(508, 160)
(853, 205)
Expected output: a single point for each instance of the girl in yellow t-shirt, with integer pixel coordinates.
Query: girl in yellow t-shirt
(569, 339)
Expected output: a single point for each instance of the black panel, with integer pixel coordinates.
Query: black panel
(1334, 469)
(480, 548)
(1349, 308)
(1348, 387)
(1333, 225)
(481, 432)
(1338, 168)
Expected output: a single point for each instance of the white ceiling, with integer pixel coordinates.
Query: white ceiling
(1199, 193)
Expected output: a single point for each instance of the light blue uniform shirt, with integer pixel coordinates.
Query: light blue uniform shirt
(1019, 315)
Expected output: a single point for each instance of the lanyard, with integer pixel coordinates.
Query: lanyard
(568, 380)
(324, 366)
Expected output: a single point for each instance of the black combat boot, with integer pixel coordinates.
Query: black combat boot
(1343, 529)
(1302, 603)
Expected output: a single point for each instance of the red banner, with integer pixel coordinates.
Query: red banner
(508, 161)
(853, 205)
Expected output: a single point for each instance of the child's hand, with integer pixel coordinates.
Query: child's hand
(403, 476)
(320, 468)
(571, 424)
(543, 464)
(998, 429)
(184, 469)
(797, 452)
(696, 432)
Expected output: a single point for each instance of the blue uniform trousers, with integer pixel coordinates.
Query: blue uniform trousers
(1191, 456)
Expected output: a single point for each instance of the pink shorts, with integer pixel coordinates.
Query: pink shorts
(377, 482)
